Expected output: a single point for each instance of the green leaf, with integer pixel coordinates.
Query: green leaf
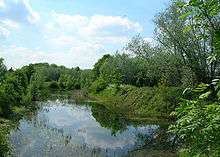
(205, 95)
(183, 16)
(211, 58)
(201, 87)
(180, 4)
(186, 90)
(187, 28)
(218, 94)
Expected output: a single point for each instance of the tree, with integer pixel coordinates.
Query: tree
(139, 47)
(86, 78)
(98, 65)
(154, 64)
(205, 14)
(181, 37)
(3, 69)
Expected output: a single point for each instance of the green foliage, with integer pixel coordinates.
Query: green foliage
(37, 87)
(13, 90)
(141, 102)
(165, 99)
(97, 66)
(145, 80)
(161, 68)
(98, 85)
(205, 17)
(86, 78)
(21, 87)
(4, 146)
(111, 71)
(188, 77)
(2, 69)
(66, 82)
(140, 47)
(53, 85)
(190, 30)
(198, 121)
(109, 119)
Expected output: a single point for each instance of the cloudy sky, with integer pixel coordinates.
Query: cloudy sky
(71, 32)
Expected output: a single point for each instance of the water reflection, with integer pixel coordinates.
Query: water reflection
(108, 119)
(62, 128)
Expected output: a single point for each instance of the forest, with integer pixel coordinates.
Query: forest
(175, 78)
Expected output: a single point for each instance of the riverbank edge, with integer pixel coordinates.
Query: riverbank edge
(140, 103)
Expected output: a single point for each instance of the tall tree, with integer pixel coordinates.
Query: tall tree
(178, 34)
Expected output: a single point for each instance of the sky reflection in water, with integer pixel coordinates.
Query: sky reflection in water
(65, 129)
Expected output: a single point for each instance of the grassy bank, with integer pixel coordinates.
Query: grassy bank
(4, 128)
(140, 103)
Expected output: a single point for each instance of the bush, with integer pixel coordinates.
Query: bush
(98, 85)
(165, 99)
(198, 124)
(77, 86)
(53, 85)
(141, 102)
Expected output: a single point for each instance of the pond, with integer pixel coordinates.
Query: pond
(64, 128)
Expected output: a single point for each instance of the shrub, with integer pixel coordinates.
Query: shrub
(98, 85)
(198, 122)
(53, 85)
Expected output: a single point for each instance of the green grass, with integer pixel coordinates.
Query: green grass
(140, 103)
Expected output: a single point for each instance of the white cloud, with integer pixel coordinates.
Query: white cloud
(6, 26)
(32, 15)
(2, 4)
(20, 56)
(70, 22)
(19, 11)
(10, 23)
(98, 22)
(90, 26)
(77, 56)
(70, 40)
(92, 138)
(85, 39)
(76, 30)
(62, 40)
(4, 32)
(13, 13)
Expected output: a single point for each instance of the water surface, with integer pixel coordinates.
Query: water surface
(61, 128)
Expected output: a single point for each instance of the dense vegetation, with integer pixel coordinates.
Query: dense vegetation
(144, 79)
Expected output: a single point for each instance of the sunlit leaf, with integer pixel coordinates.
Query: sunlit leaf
(205, 95)
(183, 16)
(187, 28)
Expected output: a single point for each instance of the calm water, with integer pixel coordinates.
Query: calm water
(63, 128)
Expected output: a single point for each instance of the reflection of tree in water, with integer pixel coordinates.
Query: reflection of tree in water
(109, 119)
(28, 113)
(159, 139)
(59, 144)
(156, 139)
(13, 124)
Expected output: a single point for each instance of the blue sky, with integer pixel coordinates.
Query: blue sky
(71, 32)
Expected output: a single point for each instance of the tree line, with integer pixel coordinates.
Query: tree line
(185, 54)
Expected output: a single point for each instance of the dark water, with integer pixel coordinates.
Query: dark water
(66, 129)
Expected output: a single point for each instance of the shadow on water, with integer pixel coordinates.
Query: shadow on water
(158, 139)
(68, 128)
(108, 119)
